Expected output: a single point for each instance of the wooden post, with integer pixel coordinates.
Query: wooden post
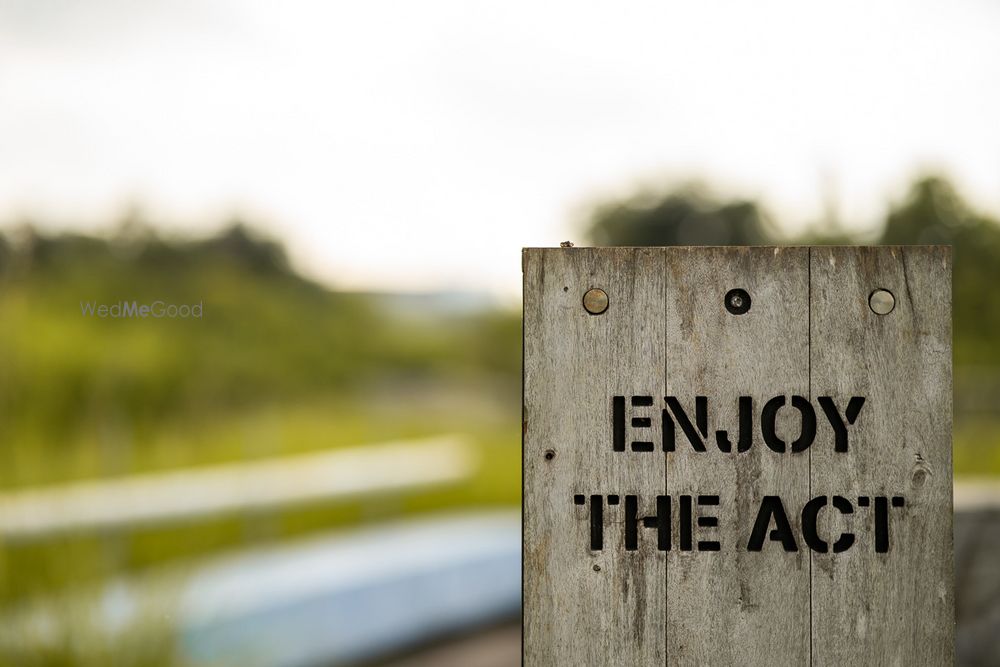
(737, 456)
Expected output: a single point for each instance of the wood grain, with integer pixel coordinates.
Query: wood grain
(810, 333)
(736, 607)
(893, 608)
(584, 607)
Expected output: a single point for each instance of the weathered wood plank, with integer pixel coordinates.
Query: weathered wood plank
(736, 607)
(809, 336)
(583, 606)
(893, 608)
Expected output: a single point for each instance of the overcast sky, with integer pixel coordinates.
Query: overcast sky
(416, 145)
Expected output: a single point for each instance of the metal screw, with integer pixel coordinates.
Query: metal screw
(595, 301)
(737, 301)
(881, 301)
(597, 568)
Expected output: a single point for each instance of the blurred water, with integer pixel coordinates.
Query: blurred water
(348, 598)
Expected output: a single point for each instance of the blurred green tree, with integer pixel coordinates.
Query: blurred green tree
(687, 216)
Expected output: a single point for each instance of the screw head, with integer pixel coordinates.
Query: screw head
(881, 301)
(595, 301)
(737, 301)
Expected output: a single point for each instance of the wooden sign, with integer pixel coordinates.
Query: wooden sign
(737, 456)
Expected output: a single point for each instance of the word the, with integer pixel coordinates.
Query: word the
(771, 512)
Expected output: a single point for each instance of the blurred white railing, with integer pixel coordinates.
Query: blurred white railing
(182, 494)
(977, 494)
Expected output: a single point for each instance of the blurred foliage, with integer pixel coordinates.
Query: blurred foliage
(932, 212)
(74, 386)
(70, 632)
(688, 216)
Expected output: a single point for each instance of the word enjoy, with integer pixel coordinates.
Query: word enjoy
(673, 415)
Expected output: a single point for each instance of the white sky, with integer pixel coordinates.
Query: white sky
(413, 145)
